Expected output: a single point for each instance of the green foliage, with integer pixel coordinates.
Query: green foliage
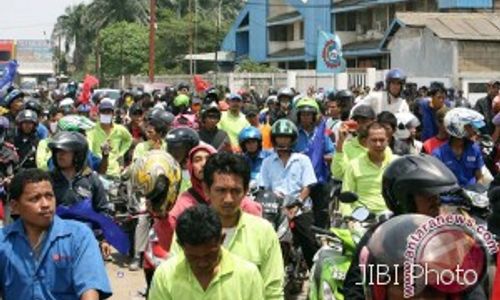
(250, 66)
(124, 48)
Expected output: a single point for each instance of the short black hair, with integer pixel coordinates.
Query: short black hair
(374, 126)
(24, 177)
(198, 225)
(226, 163)
(386, 117)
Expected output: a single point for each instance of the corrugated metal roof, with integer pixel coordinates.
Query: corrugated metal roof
(456, 26)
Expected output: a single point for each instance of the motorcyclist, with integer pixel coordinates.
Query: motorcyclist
(460, 153)
(8, 161)
(209, 133)
(34, 105)
(391, 99)
(410, 184)
(157, 176)
(73, 181)
(158, 122)
(26, 139)
(250, 140)
(285, 97)
(179, 142)
(14, 103)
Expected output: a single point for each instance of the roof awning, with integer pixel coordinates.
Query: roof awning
(352, 5)
(35, 71)
(285, 19)
(363, 48)
(287, 55)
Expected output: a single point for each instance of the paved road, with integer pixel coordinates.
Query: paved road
(126, 284)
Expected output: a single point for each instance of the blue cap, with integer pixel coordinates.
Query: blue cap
(236, 97)
(106, 104)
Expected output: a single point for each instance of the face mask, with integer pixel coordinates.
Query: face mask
(106, 119)
(53, 127)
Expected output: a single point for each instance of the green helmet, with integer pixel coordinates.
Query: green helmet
(181, 100)
(307, 105)
(75, 123)
(284, 127)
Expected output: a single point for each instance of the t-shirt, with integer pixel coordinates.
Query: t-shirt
(233, 125)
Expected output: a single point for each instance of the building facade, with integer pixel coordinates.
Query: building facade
(284, 33)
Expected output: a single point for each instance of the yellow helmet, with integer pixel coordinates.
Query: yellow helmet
(157, 175)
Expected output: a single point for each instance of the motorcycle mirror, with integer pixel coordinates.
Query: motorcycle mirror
(348, 197)
(360, 214)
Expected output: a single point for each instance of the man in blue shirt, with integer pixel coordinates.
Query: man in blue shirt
(460, 154)
(428, 109)
(43, 256)
(313, 142)
(250, 140)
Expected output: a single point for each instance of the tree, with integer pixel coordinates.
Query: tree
(124, 49)
(106, 12)
(72, 28)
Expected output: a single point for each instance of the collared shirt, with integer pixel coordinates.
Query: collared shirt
(364, 178)
(69, 264)
(464, 167)
(255, 240)
(236, 279)
(352, 149)
(290, 179)
(304, 141)
(233, 125)
(144, 147)
(120, 140)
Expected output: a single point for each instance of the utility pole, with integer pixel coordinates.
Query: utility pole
(152, 34)
(195, 43)
(190, 38)
(219, 8)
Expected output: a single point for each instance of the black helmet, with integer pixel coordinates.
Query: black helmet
(160, 119)
(27, 115)
(34, 105)
(135, 109)
(182, 85)
(210, 110)
(344, 95)
(180, 141)
(363, 111)
(70, 141)
(415, 174)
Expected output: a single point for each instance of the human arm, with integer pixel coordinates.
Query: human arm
(90, 295)
(89, 272)
(308, 178)
(348, 185)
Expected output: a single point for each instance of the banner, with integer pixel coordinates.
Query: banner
(329, 57)
(9, 73)
(89, 82)
(200, 85)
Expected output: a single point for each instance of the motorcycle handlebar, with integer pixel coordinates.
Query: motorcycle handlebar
(319, 230)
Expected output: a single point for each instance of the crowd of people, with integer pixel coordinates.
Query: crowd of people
(190, 161)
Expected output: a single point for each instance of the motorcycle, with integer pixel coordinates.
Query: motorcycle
(338, 246)
(274, 209)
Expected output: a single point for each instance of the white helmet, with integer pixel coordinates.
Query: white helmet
(456, 119)
(406, 120)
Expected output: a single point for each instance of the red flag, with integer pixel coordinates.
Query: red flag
(89, 82)
(199, 84)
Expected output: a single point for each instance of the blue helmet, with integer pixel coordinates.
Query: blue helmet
(395, 75)
(13, 95)
(249, 133)
(83, 108)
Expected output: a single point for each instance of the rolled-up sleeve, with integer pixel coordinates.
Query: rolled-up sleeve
(308, 175)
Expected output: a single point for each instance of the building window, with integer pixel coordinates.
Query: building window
(302, 30)
(345, 21)
(4, 55)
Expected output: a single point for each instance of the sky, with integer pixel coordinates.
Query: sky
(31, 19)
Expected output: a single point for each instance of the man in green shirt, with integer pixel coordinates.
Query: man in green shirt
(204, 270)
(110, 135)
(233, 121)
(354, 147)
(363, 175)
(226, 179)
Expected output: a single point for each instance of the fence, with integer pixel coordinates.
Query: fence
(300, 79)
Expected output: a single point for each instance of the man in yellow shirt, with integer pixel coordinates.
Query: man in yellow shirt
(113, 136)
(233, 121)
(363, 175)
(226, 179)
(205, 270)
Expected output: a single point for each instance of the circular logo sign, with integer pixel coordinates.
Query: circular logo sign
(331, 55)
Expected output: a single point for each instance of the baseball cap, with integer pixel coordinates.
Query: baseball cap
(236, 97)
(363, 111)
(106, 104)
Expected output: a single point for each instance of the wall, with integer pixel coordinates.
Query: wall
(477, 56)
(421, 54)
